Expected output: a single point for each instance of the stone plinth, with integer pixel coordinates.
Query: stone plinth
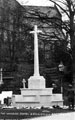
(33, 98)
(46, 91)
(36, 82)
(36, 98)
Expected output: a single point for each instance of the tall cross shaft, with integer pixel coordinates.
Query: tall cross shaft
(36, 55)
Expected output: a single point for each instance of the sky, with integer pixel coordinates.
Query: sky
(35, 2)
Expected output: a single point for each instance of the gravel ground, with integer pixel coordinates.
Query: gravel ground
(59, 116)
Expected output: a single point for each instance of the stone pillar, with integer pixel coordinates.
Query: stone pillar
(36, 81)
(36, 55)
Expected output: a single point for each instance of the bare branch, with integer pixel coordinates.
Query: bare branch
(60, 7)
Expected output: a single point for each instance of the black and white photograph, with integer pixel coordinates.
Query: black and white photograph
(37, 59)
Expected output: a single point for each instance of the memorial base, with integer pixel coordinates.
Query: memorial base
(36, 82)
(36, 98)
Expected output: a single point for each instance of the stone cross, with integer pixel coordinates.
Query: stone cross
(36, 55)
(24, 81)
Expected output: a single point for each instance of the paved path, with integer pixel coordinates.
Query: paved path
(61, 116)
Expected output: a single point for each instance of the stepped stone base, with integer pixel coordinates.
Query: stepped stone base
(36, 98)
(36, 95)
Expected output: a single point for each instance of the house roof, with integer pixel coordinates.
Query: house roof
(44, 11)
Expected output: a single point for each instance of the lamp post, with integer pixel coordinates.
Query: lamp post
(61, 69)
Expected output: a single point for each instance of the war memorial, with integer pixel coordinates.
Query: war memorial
(36, 95)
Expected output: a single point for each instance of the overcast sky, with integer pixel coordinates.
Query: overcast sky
(35, 2)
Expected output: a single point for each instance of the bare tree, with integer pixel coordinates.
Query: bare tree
(67, 9)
